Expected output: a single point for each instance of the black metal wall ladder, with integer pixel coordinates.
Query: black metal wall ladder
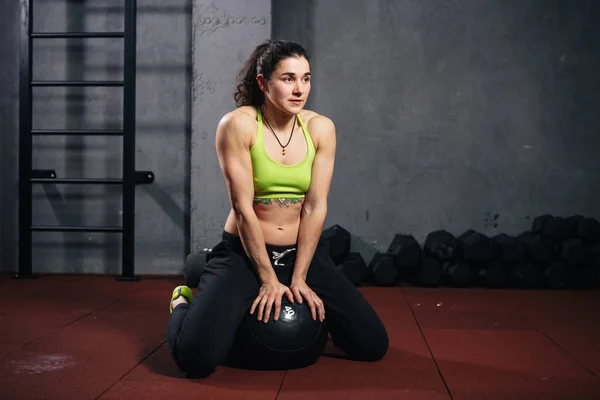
(28, 176)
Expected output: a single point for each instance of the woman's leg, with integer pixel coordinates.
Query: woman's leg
(353, 324)
(200, 335)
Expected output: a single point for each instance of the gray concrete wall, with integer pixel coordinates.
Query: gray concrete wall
(225, 33)
(452, 112)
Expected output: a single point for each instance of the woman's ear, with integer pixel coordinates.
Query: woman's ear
(262, 83)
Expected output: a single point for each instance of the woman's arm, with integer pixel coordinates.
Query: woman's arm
(314, 209)
(233, 139)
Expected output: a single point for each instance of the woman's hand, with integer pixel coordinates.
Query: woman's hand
(301, 291)
(270, 293)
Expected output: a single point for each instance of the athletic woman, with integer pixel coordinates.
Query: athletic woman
(277, 160)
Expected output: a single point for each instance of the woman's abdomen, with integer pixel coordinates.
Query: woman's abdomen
(279, 221)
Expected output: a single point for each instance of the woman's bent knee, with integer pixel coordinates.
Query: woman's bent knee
(196, 362)
(197, 367)
(370, 346)
(375, 347)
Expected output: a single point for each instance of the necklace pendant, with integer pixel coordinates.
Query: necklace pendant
(283, 152)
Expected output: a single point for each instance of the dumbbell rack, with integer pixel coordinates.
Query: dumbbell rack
(28, 176)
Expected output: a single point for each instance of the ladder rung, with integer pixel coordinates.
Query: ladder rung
(49, 176)
(80, 181)
(50, 228)
(77, 83)
(79, 132)
(81, 35)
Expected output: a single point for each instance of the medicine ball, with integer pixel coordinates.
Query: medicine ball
(295, 340)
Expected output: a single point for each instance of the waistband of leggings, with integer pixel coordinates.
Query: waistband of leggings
(237, 242)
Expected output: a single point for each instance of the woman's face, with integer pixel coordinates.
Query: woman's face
(289, 85)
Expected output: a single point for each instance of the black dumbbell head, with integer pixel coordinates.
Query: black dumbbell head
(588, 229)
(460, 274)
(538, 223)
(540, 249)
(406, 251)
(558, 275)
(429, 272)
(338, 241)
(354, 267)
(476, 247)
(194, 267)
(441, 245)
(509, 249)
(525, 275)
(574, 252)
(492, 275)
(383, 269)
(556, 228)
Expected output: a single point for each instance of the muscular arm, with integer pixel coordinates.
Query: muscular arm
(314, 209)
(234, 135)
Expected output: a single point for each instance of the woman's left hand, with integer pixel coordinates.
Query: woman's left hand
(301, 291)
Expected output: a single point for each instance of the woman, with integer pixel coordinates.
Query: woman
(277, 160)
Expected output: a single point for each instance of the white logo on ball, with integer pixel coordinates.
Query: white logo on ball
(288, 311)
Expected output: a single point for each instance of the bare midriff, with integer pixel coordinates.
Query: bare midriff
(279, 220)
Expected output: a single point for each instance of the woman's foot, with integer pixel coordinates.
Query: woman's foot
(181, 294)
(178, 301)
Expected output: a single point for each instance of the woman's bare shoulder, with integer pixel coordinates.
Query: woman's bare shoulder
(246, 111)
(241, 115)
(238, 125)
(313, 117)
(318, 125)
(241, 119)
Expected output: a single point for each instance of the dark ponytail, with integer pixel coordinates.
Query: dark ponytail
(263, 60)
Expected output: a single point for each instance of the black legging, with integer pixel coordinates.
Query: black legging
(200, 335)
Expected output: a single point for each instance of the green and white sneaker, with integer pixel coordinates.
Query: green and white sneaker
(181, 291)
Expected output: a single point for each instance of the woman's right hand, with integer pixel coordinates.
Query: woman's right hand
(270, 293)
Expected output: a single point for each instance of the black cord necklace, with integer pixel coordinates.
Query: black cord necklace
(278, 141)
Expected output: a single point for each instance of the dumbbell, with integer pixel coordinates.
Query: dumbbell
(430, 272)
(194, 266)
(440, 249)
(525, 275)
(558, 275)
(338, 242)
(441, 245)
(459, 274)
(383, 269)
(354, 267)
(539, 249)
(509, 250)
(492, 275)
(476, 249)
(406, 252)
(399, 261)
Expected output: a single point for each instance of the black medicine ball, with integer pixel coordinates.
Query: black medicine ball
(295, 340)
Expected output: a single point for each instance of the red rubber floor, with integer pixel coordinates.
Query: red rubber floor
(89, 337)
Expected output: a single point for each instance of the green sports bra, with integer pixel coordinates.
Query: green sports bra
(276, 180)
